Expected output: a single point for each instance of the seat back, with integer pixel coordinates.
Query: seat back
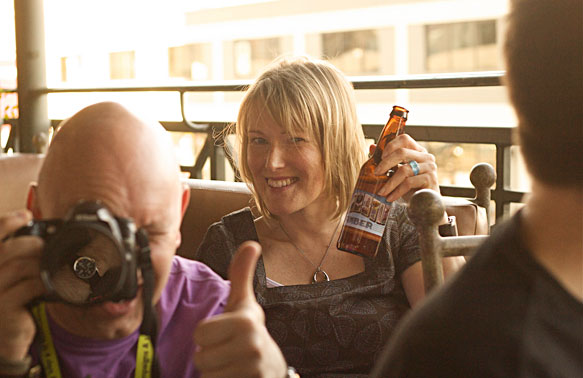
(209, 201)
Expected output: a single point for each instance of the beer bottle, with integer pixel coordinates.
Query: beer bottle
(367, 213)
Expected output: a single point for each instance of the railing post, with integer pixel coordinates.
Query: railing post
(33, 117)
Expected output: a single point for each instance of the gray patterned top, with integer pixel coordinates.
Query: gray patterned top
(328, 329)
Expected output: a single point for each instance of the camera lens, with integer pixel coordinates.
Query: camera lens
(83, 264)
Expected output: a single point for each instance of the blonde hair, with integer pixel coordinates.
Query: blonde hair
(310, 96)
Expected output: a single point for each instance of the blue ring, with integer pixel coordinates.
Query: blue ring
(415, 167)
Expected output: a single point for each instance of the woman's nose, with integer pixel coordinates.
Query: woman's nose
(275, 157)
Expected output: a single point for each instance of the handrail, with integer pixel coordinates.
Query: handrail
(499, 136)
(415, 81)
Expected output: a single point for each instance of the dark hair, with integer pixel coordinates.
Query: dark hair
(544, 73)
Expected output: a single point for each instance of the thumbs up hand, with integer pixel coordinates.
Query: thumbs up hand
(236, 343)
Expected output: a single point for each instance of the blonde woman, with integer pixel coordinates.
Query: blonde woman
(301, 148)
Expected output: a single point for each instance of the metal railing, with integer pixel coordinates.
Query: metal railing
(500, 137)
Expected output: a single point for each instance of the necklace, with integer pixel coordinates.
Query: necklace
(319, 274)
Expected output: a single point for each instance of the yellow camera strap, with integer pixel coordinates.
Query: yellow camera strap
(48, 354)
(144, 357)
(50, 361)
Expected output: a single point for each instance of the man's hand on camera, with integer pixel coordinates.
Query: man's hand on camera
(236, 343)
(20, 283)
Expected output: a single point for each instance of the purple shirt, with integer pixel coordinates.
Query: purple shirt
(193, 292)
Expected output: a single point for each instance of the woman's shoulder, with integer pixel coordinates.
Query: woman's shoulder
(233, 229)
(242, 218)
(222, 239)
(243, 215)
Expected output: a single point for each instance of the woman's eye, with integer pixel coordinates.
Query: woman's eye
(258, 140)
(297, 139)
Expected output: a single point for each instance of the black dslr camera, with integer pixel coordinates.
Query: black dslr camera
(90, 256)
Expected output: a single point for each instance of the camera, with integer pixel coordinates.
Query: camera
(89, 257)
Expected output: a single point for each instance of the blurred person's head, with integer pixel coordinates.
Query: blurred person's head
(544, 74)
(107, 154)
(304, 96)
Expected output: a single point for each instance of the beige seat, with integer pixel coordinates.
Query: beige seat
(426, 211)
(209, 201)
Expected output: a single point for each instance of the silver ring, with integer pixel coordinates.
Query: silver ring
(415, 167)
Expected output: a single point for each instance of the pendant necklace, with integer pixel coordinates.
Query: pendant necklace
(319, 274)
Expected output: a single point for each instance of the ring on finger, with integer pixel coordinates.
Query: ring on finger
(414, 167)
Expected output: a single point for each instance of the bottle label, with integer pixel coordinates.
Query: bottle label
(368, 212)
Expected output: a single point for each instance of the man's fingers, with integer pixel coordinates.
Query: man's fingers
(236, 343)
(12, 222)
(239, 370)
(20, 247)
(16, 270)
(241, 272)
(242, 346)
(222, 328)
(21, 294)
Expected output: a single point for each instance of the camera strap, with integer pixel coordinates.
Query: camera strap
(149, 328)
(50, 361)
(146, 361)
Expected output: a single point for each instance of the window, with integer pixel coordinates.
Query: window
(353, 52)
(252, 55)
(191, 62)
(463, 46)
(71, 68)
(121, 65)
(456, 160)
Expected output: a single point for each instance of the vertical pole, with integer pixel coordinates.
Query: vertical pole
(33, 120)
(503, 168)
(218, 160)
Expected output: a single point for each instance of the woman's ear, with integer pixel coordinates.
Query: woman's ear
(32, 201)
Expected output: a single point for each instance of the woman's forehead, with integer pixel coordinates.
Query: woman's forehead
(287, 123)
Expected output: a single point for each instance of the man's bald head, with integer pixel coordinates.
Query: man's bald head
(105, 152)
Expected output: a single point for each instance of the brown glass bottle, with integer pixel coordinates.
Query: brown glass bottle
(367, 213)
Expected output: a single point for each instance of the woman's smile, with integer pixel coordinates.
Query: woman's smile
(281, 182)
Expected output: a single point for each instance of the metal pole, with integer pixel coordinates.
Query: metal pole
(33, 120)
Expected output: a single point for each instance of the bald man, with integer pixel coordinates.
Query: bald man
(104, 153)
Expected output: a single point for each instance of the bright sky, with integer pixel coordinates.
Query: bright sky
(105, 16)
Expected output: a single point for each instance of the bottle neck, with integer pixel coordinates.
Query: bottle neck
(395, 126)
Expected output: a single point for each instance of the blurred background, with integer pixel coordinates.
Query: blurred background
(174, 42)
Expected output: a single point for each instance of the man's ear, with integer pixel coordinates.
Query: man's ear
(32, 201)
(184, 206)
(185, 197)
